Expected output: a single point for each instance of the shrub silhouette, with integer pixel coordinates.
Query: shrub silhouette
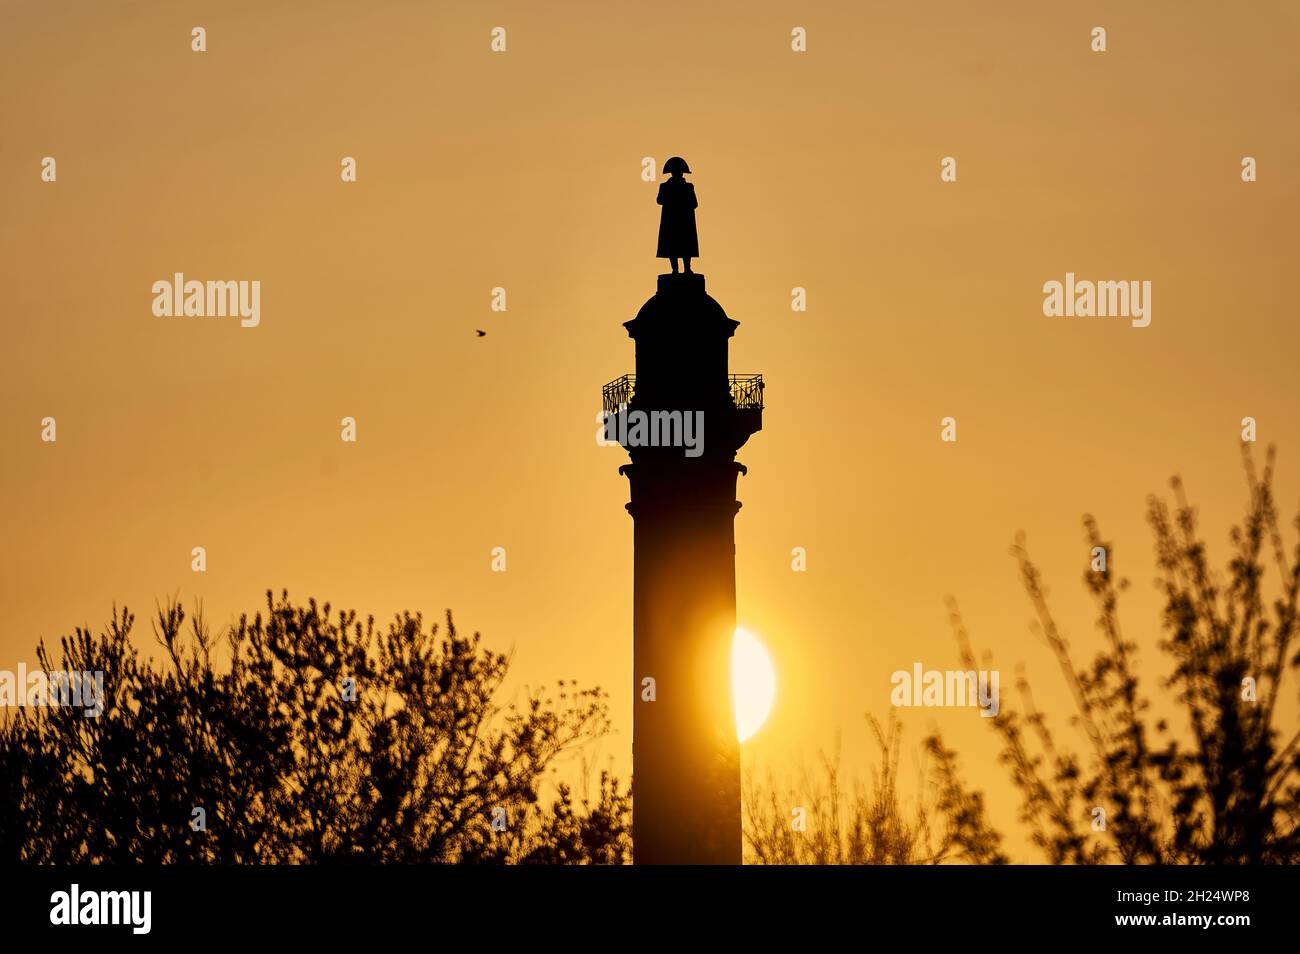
(870, 825)
(290, 766)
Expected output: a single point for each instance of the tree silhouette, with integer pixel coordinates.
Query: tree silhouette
(325, 738)
(289, 765)
(1224, 789)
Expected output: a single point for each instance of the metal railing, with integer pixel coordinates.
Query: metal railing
(617, 393)
(746, 392)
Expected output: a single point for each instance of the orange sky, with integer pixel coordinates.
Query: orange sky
(522, 170)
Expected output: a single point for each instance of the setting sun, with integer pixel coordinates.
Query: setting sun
(753, 683)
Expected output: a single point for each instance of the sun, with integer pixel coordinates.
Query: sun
(753, 683)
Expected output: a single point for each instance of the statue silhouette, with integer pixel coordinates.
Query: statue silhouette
(677, 236)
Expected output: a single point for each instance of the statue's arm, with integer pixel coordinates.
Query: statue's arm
(659, 199)
(695, 203)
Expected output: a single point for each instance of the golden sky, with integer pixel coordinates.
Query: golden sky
(522, 170)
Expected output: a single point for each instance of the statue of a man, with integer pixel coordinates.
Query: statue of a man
(677, 236)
